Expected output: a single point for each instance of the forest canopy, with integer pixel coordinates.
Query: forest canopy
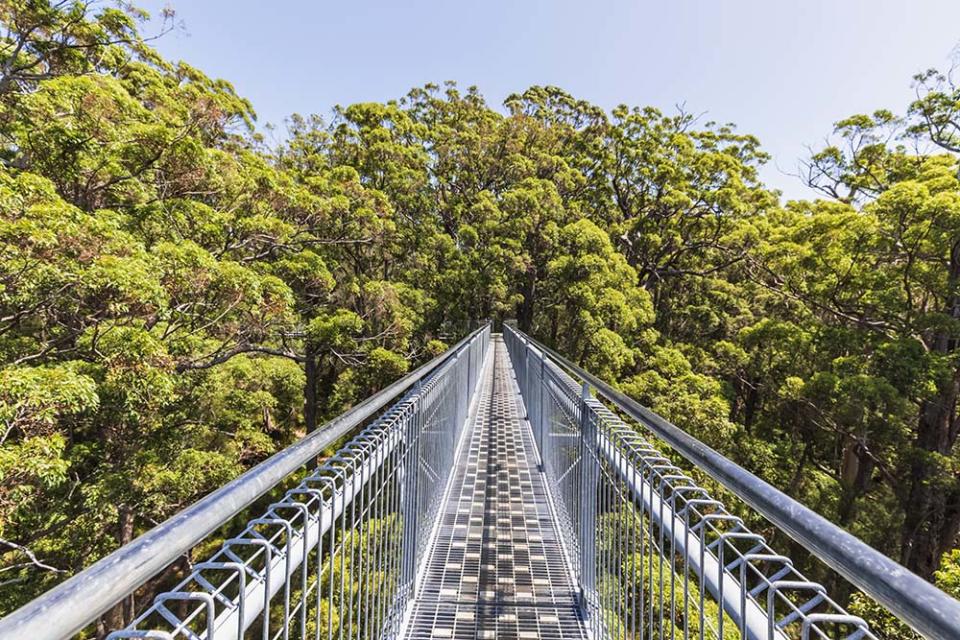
(179, 299)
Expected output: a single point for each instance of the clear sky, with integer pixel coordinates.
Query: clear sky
(784, 70)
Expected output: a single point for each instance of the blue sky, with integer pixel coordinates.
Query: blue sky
(783, 70)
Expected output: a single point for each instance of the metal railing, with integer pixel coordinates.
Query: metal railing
(654, 555)
(657, 557)
(336, 557)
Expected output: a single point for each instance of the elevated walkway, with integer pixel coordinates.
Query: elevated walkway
(497, 491)
(497, 568)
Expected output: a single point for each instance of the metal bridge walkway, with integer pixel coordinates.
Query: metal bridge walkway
(496, 567)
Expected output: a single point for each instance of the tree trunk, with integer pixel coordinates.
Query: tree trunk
(267, 420)
(525, 314)
(932, 511)
(122, 613)
(856, 470)
(311, 373)
(750, 405)
(932, 508)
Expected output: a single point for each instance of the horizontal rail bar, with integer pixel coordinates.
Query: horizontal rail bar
(68, 608)
(712, 572)
(700, 558)
(921, 605)
(233, 622)
(366, 466)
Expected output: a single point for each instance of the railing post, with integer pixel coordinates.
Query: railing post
(409, 494)
(525, 383)
(462, 392)
(457, 384)
(540, 412)
(469, 369)
(589, 467)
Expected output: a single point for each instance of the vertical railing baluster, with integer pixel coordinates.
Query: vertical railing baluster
(588, 503)
(540, 413)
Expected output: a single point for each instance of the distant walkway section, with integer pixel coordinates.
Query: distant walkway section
(497, 568)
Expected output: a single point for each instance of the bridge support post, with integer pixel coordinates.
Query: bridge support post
(525, 381)
(589, 470)
(409, 481)
(540, 413)
(470, 377)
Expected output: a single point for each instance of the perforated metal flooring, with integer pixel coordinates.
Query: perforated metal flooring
(496, 568)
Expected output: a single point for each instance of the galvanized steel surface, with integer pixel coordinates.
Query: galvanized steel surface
(928, 610)
(291, 530)
(657, 556)
(337, 556)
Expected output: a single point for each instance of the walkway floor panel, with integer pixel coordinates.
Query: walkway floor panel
(496, 568)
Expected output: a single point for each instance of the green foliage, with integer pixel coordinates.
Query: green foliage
(634, 583)
(178, 301)
(884, 624)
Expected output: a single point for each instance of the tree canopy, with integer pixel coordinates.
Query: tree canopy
(179, 300)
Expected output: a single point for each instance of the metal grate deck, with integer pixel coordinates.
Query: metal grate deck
(496, 568)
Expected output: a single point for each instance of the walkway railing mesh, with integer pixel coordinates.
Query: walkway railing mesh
(656, 556)
(335, 557)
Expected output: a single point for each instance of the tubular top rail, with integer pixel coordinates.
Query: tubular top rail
(927, 609)
(68, 608)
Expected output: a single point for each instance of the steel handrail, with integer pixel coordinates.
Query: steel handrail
(927, 609)
(77, 602)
